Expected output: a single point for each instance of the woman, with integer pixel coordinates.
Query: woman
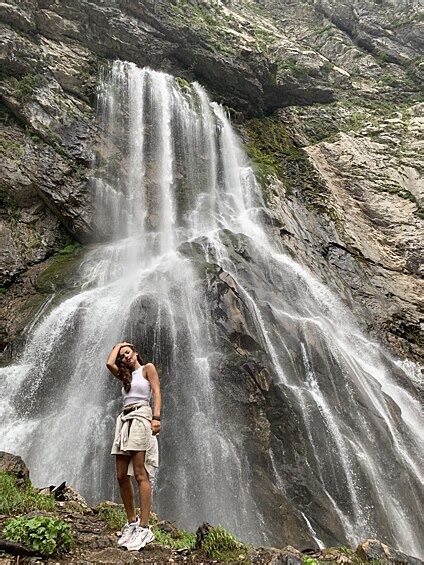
(135, 443)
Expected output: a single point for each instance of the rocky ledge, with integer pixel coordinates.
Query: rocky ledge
(95, 532)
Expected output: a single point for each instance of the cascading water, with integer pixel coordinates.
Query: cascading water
(180, 209)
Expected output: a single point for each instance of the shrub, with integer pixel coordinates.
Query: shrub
(45, 535)
(14, 499)
(220, 544)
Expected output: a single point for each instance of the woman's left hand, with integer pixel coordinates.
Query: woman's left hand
(155, 425)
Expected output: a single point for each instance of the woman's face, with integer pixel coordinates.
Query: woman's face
(128, 356)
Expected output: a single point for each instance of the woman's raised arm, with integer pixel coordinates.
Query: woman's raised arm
(111, 360)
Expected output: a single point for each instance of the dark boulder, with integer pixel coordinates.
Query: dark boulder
(14, 465)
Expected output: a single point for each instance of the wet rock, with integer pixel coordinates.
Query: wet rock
(201, 532)
(71, 500)
(168, 527)
(375, 550)
(287, 556)
(14, 465)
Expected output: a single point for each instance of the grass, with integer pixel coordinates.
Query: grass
(15, 500)
(114, 516)
(184, 539)
(218, 543)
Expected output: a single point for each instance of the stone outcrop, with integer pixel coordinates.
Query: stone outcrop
(14, 465)
(374, 550)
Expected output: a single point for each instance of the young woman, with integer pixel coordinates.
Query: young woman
(135, 443)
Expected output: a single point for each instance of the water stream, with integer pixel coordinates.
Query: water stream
(179, 214)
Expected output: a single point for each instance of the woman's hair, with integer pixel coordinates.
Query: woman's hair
(125, 373)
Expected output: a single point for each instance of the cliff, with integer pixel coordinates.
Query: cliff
(326, 95)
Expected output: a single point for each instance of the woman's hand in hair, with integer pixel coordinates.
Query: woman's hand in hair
(111, 360)
(124, 344)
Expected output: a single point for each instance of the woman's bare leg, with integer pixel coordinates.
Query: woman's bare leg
(142, 478)
(125, 486)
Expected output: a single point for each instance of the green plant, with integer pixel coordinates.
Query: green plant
(184, 85)
(309, 561)
(45, 535)
(184, 540)
(14, 499)
(69, 249)
(26, 86)
(220, 544)
(294, 67)
(354, 558)
(114, 516)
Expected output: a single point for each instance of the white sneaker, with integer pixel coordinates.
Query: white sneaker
(140, 538)
(127, 532)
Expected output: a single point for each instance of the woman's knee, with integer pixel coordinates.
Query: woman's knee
(122, 478)
(141, 476)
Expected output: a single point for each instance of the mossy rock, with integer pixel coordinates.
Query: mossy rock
(275, 154)
(60, 270)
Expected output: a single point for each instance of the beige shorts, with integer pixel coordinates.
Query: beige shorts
(139, 437)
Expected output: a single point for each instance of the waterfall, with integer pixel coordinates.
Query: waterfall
(336, 429)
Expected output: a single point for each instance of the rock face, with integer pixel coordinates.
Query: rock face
(255, 57)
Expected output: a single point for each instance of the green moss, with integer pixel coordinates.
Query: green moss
(354, 558)
(58, 268)
(389, 80)
(33, 240)
(273, 151)
(69, 249)
(24, 88)
(15, 500)
(184, 85)
(295, 68)
(12, 147)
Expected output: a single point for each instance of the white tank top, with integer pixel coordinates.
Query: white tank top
(140, 388)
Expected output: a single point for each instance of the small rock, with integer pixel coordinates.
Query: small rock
(14, 465)
(169, 528)
(72, 500)
(375, 550)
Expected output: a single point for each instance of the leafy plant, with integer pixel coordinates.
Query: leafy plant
(220, 544)
(14, 499)
(45, 535)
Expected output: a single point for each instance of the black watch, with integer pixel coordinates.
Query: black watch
(156, 418)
